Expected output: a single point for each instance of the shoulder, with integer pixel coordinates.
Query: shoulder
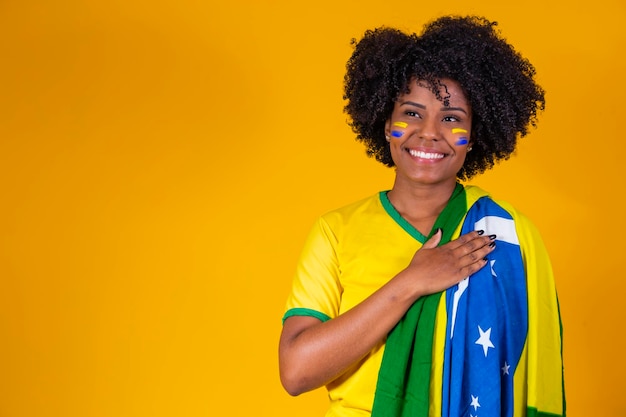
(474, 193)
(523, 225)
(527, 233)
(334, 224)
(353, 221)
(359, 210)
(522, 222)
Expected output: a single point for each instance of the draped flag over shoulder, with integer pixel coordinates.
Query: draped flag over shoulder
(502, 353)
(487, 323)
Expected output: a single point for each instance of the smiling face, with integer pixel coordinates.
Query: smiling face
(429, 137)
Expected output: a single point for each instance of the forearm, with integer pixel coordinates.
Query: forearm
(311, 355)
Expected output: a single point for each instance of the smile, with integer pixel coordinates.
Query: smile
(426, 155)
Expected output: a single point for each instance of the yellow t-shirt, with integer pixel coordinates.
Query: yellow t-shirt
(349, 254)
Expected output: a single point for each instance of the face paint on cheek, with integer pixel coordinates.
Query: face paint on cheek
(398, 133)
(462, 140)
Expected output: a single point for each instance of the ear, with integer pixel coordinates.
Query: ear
(388, 128)
(472, 139)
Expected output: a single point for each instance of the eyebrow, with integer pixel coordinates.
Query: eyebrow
(421, 106)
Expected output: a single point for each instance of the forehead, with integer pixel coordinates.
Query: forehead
(446, 90)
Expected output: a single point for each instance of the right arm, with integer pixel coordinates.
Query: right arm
(313, 353)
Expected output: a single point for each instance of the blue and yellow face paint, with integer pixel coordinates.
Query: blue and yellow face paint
(462, 140)
(398, 133)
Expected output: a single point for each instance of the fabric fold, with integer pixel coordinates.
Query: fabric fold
(404, 377)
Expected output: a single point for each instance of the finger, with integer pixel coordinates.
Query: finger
(479, 253)
(473, 267)
(466, 239)
(434, 240)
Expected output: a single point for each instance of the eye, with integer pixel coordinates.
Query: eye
(412, 113)
(451, 119)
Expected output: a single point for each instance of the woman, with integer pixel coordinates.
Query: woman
(430, 299)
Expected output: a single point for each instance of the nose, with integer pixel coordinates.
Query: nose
(429, 129)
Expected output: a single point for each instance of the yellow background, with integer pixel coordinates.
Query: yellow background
(161, 163)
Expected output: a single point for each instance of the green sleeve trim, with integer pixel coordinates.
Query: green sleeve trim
(305, 312)
(533, 412)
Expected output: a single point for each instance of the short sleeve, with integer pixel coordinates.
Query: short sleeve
(316, 289)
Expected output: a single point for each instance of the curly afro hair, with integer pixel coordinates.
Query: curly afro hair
(498, 83)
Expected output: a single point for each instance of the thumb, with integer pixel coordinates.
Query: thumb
(434, 240)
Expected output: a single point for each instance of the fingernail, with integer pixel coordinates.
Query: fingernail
(492, 237)
(492, 244)
(480, 232)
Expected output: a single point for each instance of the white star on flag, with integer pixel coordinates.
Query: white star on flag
(474, 402)
(505, 368)
(493, 272)
(485, 340)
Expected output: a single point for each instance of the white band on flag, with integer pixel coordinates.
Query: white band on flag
(503, 228)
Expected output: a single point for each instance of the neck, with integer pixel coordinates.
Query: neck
(420, 204)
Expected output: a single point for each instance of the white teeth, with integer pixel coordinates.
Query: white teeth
(426, 155)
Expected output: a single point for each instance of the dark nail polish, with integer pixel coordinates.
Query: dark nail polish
(492, 237)
(480, 232)
(492, 244)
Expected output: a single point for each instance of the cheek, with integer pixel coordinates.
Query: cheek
(397, 129)
(460, 136)
(395, 151)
